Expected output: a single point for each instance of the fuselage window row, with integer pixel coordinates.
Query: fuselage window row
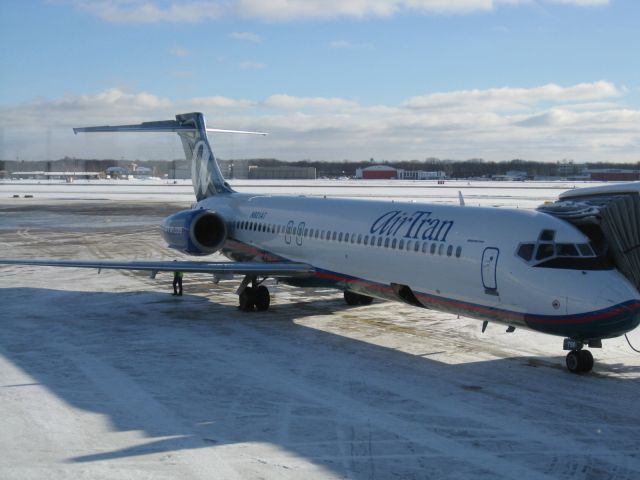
(346, 237)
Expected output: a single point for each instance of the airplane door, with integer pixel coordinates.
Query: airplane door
(489, 266)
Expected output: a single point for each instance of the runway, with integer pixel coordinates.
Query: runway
(109, 376)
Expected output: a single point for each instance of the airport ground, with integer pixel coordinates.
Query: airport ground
(109, 376)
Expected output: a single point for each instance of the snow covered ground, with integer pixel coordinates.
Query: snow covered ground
(485, 193)
(109, 376)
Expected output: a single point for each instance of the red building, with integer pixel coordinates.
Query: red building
(615, 175)
(378, 172)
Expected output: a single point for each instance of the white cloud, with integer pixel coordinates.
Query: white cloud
(151, 11)
(192, 11)
(289, 102)
(250, 65)
(582, 3)
(246, 37)
(179, 52)
(548, 122)
(346, 45)
(184, 74)
(510, 99)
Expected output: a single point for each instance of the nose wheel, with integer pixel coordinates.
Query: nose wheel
(579, 361)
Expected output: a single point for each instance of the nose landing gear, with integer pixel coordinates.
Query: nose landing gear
(578, 360)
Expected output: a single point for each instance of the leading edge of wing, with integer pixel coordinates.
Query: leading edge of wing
(238, 268)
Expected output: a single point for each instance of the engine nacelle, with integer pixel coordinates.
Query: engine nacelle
(196, 232)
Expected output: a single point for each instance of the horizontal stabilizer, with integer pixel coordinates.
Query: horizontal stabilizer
(206, 176)
(161, 126)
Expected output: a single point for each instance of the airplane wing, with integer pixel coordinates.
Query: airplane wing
(238, 268)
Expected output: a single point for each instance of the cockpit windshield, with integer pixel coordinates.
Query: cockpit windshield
(545, 252)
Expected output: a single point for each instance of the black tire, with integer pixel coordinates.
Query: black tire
(365, 300)
(262, 299)
(573, 361)
(246, 299)
(586, 360)
(351, 298)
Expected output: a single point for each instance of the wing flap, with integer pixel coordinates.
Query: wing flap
(237, 268)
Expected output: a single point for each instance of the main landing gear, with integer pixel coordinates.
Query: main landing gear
(579, 360)
(356, 298)
(254, 297)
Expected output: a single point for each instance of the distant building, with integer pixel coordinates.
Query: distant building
(282, 173)
(377, 172)
(385, 172)
(68, 176)
(614, 175)
(420, 175)
(116, 172)
(143, 171)
(570, 169)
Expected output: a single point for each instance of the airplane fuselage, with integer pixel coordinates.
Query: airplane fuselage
(462, 260)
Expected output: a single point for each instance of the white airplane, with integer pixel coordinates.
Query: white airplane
(521, 268)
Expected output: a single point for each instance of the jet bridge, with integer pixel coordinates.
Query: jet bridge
(610, 217)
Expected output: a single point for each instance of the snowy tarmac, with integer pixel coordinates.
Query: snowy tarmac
(109, 376)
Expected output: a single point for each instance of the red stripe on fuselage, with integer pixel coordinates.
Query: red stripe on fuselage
(457, 305)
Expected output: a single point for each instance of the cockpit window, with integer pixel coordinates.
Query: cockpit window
(567, 250)
(545, 250)
(586, 250)
(547, 235)
(525, 251)
(546, 253)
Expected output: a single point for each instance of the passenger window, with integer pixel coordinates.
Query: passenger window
(424, 247)
(400, 244)
(449, 250)
(441, 249)
(416, 247)
(334, 236)
(379, 241)
(525, 251)
(567, 250)
(433, 249)
(346, 238)
(340, 237)
(353, 238)
(306, 232)
(386, 242)
(408, 245)
(359, 239)
(545, 250)
(366, 239)
(458, 252)
(317, 233)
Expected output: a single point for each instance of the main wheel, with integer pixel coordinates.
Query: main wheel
(365, 300)
(573, 361)
(579, 361)
(586, 360)
(262, 298)
(247, 299)
(351, 298)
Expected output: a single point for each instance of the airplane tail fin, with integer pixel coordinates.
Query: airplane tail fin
(205, 173)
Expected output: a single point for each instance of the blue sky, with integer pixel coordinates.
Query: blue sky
(350, 79)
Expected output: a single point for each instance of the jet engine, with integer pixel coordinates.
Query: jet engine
(196, 232)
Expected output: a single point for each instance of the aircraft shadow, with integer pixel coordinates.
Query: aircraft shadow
(195, 375)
